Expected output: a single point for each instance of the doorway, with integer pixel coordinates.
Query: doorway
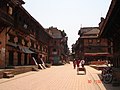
(25, 59)
(19, 58)
(10, 58)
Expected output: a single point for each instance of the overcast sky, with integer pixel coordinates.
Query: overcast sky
(68, 15)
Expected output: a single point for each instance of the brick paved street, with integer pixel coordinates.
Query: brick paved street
(56, 78)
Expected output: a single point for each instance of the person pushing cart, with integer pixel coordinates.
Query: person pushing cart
(81, 67)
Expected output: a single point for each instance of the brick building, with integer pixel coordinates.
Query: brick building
(110, 29)
(21, 36)
(90, 46)
(58, 48)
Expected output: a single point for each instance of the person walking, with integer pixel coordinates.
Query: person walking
(82, 62)
(74, 63)
(78, 64)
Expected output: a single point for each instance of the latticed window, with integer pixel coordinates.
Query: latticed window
(54, 50)
(26, 43)
(11, 38)
(20, 40)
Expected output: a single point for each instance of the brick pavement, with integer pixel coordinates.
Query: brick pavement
(56, 78)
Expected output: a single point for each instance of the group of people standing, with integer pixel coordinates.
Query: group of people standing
(78, 63)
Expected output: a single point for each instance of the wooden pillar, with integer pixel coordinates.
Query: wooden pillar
(22, 58)
(27, 59)
(7, 58)
(15, 58)
(2, 48)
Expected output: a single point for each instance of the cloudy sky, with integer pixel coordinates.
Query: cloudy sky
(68, 15)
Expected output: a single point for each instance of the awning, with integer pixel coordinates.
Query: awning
(34, 50)
(12, 44)
(97, 54)
(26, 49)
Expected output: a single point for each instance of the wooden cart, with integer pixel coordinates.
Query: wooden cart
(79, 69)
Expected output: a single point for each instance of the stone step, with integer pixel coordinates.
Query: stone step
(8, 75)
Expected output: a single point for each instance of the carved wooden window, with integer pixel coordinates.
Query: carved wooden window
(11, 38)
(54, 50)
(26, 42)
(20, 40)
(36, 46)
(16, 39)
(32, 44)
(40, 47)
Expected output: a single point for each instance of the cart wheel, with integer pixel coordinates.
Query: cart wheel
(85, 72)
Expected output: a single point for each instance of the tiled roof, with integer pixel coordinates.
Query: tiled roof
(90, 32)
(54, 32)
